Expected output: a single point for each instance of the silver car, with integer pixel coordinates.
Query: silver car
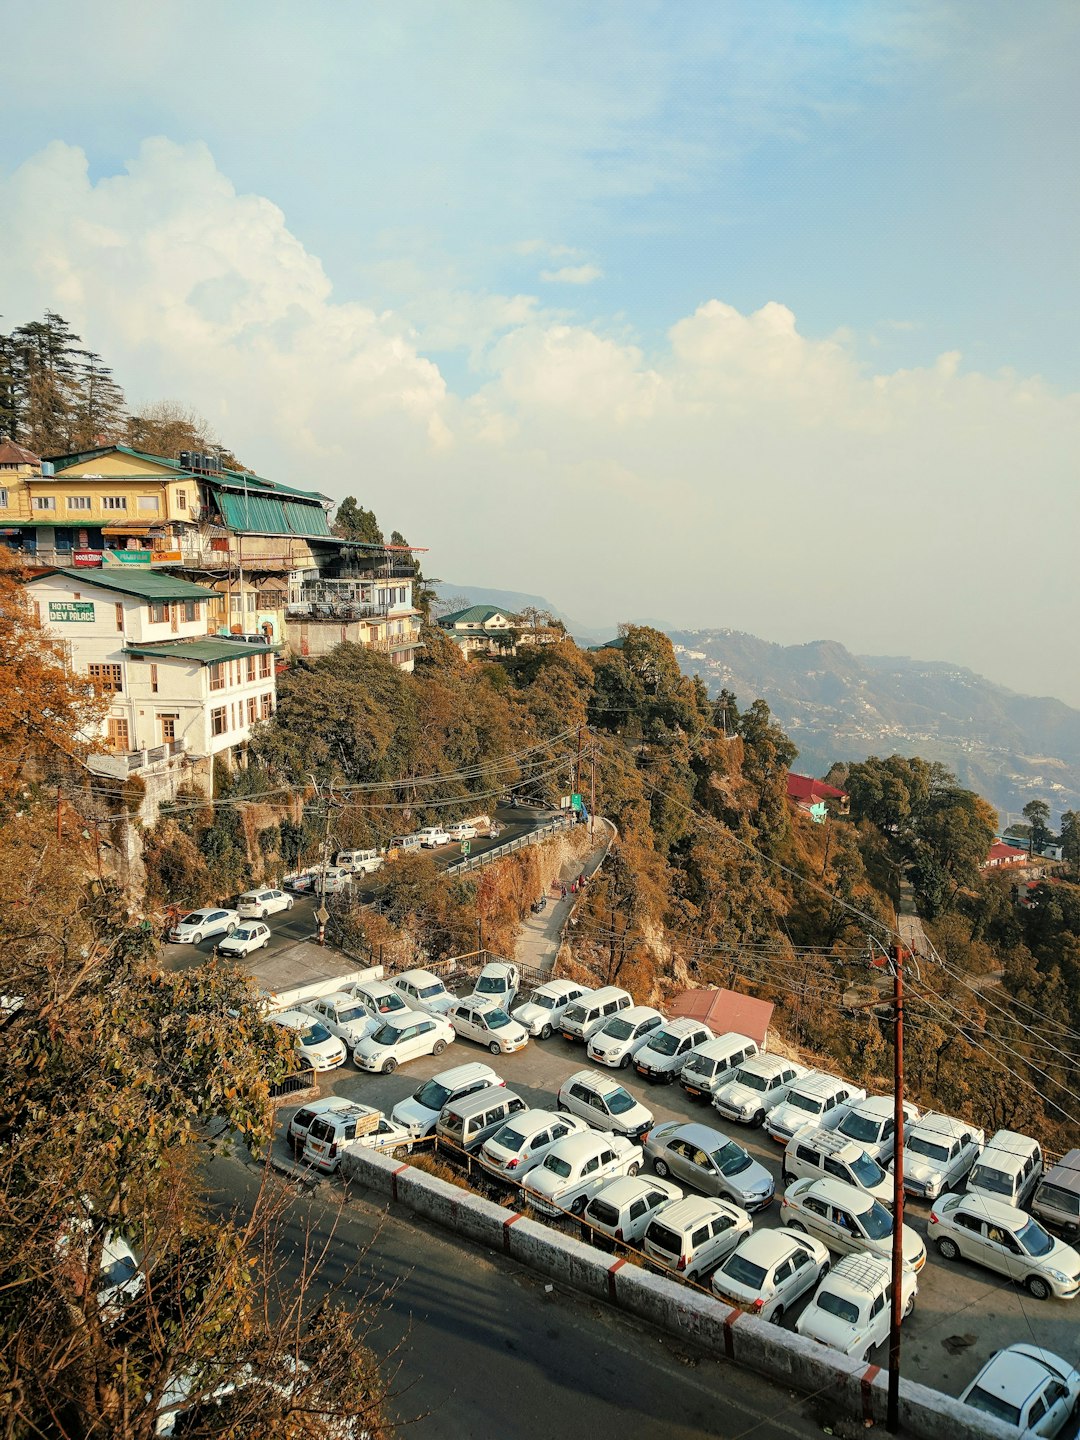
(710, 1162)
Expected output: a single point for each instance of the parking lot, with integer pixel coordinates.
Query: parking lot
(962, 1314)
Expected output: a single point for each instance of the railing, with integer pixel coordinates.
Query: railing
(335, 610)
(487, 857)
(123, 763)
(293, 1084)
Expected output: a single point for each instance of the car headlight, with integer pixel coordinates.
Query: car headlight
(1059, 1276)
(933, 1188)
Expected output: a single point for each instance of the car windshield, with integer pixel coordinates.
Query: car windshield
(991, 1404)
(665, 1043)
(752, 1080)
(619, 1101)
(860, 1127)
(386, 1004)
(1034, 1239)
(509, 1138)
(699, 1065)
(867, 1171)
(490, 985)
(386, 1035)
(838, 1306)
(877, 1222)
(575, 1013)
(431, 1094)
(314, 1034)
(195, 918)
(918, 1146)
(429, 992)
(745, 1272)
(804, 1102)
(985, 1177)
(731, 1159)
(557, 1166)
(496, 1019)
(348, 1013)
(619, 1029)
(546, 1002)
(245, 934)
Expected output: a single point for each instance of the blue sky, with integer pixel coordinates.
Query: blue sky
(478, 199)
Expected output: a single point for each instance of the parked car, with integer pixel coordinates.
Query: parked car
(432, 836)
(1008, 1168)
(871, 1124)
(296, 1134)
(847, 1219)
(330, 1135)
(710, 1162)
(471, 1119)
(584, 1017)
(521, 1144)
(334, 881)
(1026, 1386)
(541, 1011)
(498, 981)
(1057, 1200)
(401, 1039)
(359, 862)
(403, 844)
(424, 991)
(302, 881)
(604, 1104)
(575, 1168)
(760, 1084)
(316, 1046)
(623, 1208)
(461, 830)
(1007, 1240)
(199, 925)
(668, 1048)
(485, 1021)
(619, 1039)
(380, 999)
(714, 1063)
(815, 1153)
(817, 1099)
(344, 1015)
(258, 904)
(938, 1152)
(769, 1270)
(852, 1310)
(695, 1234)
(421, 1111)
(252, 935)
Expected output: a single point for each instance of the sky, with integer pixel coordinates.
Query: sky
(759, 316)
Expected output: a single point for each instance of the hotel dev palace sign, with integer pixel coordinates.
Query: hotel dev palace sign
(71, 610)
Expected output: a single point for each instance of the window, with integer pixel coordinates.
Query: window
(264, 667)
(168, 727)
(181, 499)
(79, 502)
(217, 677)
(191, 610)
(3, 499)
(252, 710)
(218, 722)
(119, 618)
(43, 502)
(153, 680)
(118, 737)
(250, 668)
(159, 612)
(267, 706)
(148, 502)
(114, 502)
(252, 602)
(108, 678)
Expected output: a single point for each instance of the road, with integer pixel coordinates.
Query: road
(484, 1351)
(963, 1313)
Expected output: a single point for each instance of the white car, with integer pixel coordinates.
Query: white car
(870, 1124)
(330, 1135)
(938, 1153)
(433, 835)
(847, 1219)
(498, 980)
(461, 830)
(769, 1271)
(343, 1015)
(1026, 1386)
(817, 1099)
(605, 1104)
(520, 1145)
(575, 1168)
(314, 1043)
(620, 1038)
(424, 991)
(1007, 1240)
(401, 1039)
(485, 1021)
(695, 1234)
(380, 1000)
(761, 1083)
(427, 1102)
(542, 1010)
(623, 1208)
(302, 881)
(852, 1310)
(199, 925)
(252, 935)
(667, 1049)
(258, 904)
(333, 882)
(296, 1134)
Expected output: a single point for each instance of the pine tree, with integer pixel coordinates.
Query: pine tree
(353, 522)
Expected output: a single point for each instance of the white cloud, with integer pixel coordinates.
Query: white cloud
(744, 474)
(572, 275)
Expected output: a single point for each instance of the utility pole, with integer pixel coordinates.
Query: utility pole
(322, 914)
(592, 792)
(59, 821)
(577, 767)
(892, 1419)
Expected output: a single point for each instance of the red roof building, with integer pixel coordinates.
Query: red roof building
(724, 1010)
(1001, 854)
(811, 795)
(15, 456)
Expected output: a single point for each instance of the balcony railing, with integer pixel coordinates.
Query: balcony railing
(121, 764)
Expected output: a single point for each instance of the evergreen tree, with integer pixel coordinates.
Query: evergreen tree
(353, 522)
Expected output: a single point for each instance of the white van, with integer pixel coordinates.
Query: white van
(713, 1064)
(317, 1047)
(1008, 1169)
(817, 1099)
(358, 862)
(470, 1120)
(406, 843)
(588, 1014)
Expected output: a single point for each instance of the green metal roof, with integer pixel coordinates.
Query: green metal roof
(474, 615)
(206, 652)
(263, 513)
(61, 462)
(256, 484)
(147, 584)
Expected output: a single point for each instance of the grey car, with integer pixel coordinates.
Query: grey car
(710, 1162)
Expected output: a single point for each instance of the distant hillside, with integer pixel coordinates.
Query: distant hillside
(839, 706)
(518, 600)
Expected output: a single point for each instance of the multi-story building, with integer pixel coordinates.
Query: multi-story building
(487, 631)
(370, 605)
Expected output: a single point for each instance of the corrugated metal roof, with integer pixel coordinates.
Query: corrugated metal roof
(205, 651)
(474, 615)
(147, 584)
(724, 1010)
(266, 514)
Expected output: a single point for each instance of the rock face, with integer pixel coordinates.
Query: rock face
(839, 706)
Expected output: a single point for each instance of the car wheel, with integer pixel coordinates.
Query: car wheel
(265, 944)
(230, 928)
(577, 1206)
(1038, 1288)
(196, 939)
(264, 913)
(438, 1047)
(786, 1177)
(948, 1249)
(759, 1119)
(390, 1066)
(777, 1316)
(495, 1048)
(624, 1062)
(866, 1356)
(288, 904)
(795, 1225)
(909, 1307)
(545, 1033)
(633, 1169)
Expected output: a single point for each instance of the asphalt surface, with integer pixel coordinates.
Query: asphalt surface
(476, 1347)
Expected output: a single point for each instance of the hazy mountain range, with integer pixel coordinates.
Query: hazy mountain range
(838, 706)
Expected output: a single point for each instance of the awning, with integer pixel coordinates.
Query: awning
(128, 527)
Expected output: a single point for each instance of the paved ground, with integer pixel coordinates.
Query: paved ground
(538, 941)
(963, 1313)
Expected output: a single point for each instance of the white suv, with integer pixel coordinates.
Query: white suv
(619, 1039)
(624, 1208)
(575, 1168)
(938, 1153)
(344, 1016)
(335, 1131)
(816, 1099)
(424, 991)
(694, 1235)
(542, 1011)
(852, 1309)
(667, 1050)
(870, 1124)
(604, 1104)
(420, 1112)
(760, 1084)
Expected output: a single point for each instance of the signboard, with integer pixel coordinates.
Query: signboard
(71, 611)
(86, 557)
(466, 846)
(127, 557)
(576, 803)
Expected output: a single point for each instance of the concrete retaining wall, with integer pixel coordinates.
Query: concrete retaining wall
(851, 1386)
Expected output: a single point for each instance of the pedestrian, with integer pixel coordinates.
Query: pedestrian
(562, 892)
